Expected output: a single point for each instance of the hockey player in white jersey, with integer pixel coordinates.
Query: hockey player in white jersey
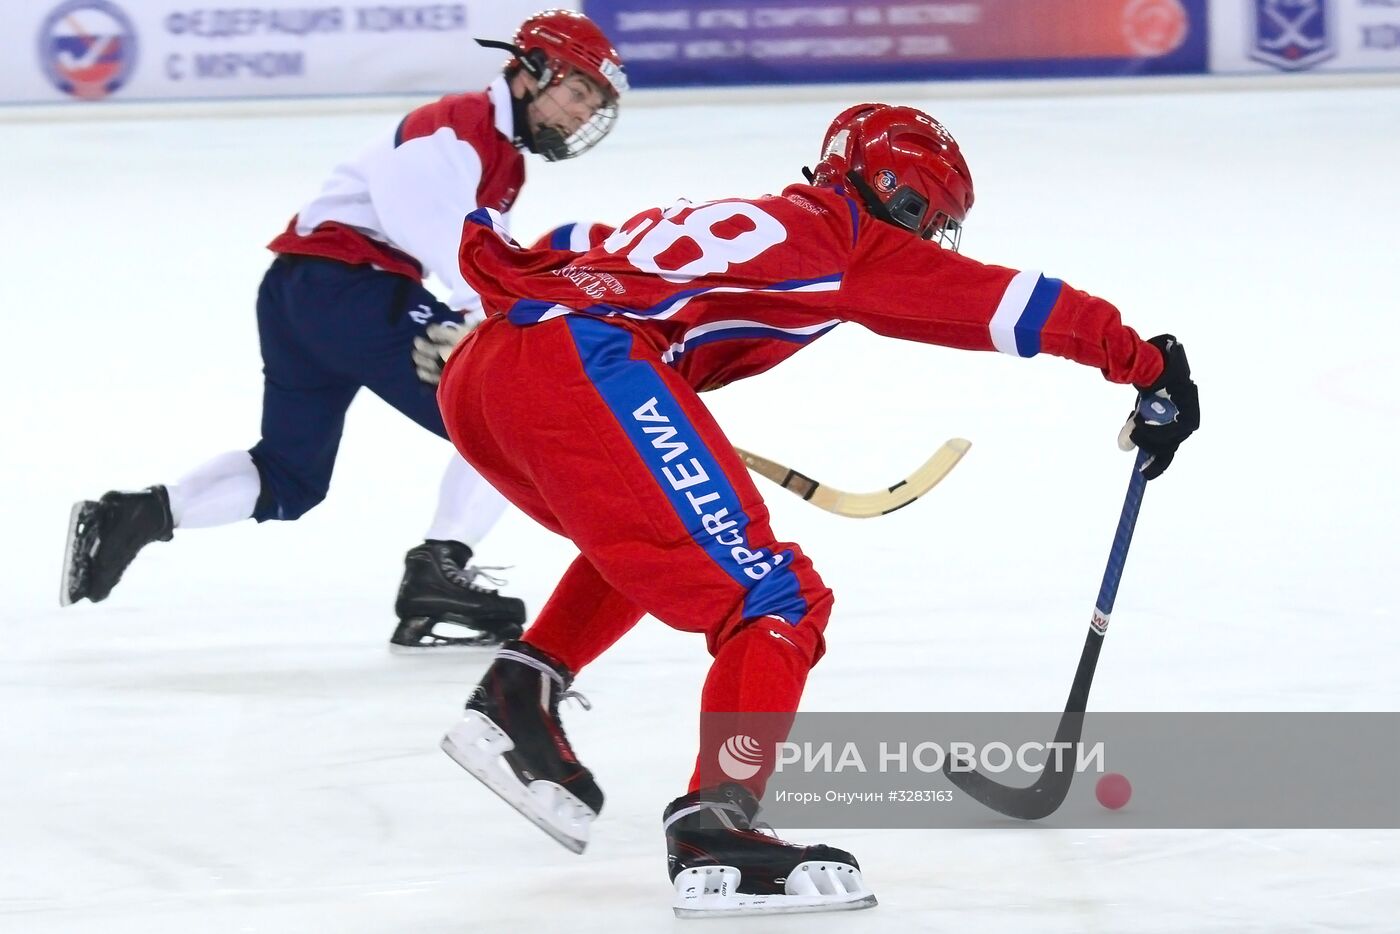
(343, 306)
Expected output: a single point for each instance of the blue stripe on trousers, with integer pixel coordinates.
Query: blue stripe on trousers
(685, 470)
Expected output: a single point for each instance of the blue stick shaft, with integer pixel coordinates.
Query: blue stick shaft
(1122, 538)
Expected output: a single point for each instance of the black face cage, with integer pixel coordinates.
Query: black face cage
(555, 146)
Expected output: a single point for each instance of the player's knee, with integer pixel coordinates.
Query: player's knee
(285, 497)
(803, 642)
(285, 508)
(799, 623)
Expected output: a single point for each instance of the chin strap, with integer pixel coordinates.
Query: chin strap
(520, 115)
(867, 195)
(536, 66)
(545, 140)
(531, 67)
(872, 200)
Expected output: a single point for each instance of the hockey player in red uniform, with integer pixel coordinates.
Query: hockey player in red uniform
(343, 307)
(577, 399)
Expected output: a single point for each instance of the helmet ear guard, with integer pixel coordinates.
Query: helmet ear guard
(908, 209)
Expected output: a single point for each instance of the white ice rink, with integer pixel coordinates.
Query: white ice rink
(226, 745)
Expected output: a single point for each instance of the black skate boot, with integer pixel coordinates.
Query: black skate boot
(104, 537)
(511, 740)
(722, 866)
(441, 605)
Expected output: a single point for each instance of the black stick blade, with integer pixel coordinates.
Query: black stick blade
(1034, 802)
(1042, 797)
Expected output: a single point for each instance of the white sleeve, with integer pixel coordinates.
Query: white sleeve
(422, 191)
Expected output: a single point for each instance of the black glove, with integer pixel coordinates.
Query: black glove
(1161, 438)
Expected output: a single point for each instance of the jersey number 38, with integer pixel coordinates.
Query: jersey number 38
(696, 242)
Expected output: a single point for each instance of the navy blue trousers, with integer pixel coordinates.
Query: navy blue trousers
(326, 329)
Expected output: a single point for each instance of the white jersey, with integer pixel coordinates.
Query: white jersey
(400, 204)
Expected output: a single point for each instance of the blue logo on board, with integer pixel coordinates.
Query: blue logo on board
(1292, 34)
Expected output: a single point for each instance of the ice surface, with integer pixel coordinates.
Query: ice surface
(226, 745)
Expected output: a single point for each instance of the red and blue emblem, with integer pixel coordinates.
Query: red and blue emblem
(87, 48)
(885, 181)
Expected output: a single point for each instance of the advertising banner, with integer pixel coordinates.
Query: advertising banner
(666, 43)
(84, 51)
(1305, 35)
(98, 50)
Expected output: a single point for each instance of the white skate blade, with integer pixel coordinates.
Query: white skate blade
(709, 892)
(65, 588)
(477, 744)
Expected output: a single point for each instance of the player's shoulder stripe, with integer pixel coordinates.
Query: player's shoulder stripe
(466, 115)
(562, 237)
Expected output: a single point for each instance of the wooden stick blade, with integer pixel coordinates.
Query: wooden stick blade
(862, 505)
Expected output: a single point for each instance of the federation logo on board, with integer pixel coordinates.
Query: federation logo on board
(87, 48)
(1291, 34)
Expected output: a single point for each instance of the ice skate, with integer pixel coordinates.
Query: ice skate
(443, 603)
(104, 537)
(512, 741)
(723, 867)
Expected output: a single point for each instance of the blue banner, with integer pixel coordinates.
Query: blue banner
(666, 43)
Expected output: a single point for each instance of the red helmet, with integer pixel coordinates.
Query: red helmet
(568, 39)
(905, 165)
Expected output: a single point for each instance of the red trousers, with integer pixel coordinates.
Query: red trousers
(578, 423)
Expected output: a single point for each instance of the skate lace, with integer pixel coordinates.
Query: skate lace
(722, 812)
(563, 693)
(583, 702)
(467, 577)
(765, 828)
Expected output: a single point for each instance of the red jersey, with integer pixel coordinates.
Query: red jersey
(731, 288)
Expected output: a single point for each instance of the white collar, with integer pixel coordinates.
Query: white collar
(503, 104)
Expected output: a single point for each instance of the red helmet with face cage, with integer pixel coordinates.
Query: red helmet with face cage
(564, 39)
(904, 164)
(549, 47)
